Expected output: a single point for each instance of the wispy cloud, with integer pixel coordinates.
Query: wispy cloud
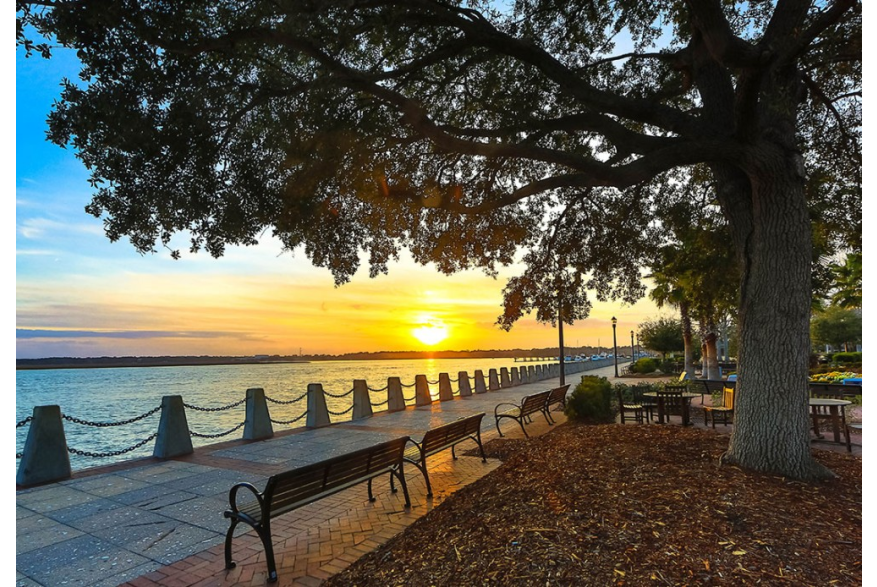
(36, 228)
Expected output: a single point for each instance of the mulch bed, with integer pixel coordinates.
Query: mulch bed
(629, 505)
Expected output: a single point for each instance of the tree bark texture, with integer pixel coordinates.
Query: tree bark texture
(771, 410)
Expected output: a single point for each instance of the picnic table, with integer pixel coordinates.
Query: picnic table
(686, 404)
(833, 416)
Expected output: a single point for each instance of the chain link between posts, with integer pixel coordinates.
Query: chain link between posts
(293, 421)
(338, 396)
(220, 409)
(285, 402)
(23, 422)
(384, 388)
(108, 424)
(114, 453)
(218, 435)
(339, 413)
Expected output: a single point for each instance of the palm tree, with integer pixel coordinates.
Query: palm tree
(848, 282)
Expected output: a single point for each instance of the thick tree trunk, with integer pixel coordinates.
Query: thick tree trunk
(774, 247)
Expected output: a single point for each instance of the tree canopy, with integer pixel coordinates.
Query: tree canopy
(466, 131)
(663, 335)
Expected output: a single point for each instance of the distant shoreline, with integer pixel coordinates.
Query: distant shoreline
(124, 365)
(201, 361)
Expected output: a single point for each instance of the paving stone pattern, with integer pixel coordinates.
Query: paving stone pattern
(154, 522)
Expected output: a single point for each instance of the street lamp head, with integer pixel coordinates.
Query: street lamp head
(614, 320)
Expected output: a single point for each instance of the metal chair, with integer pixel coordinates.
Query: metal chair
(629, 410)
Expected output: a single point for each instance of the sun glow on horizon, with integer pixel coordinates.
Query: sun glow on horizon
(431, 332)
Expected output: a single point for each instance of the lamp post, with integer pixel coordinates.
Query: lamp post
(615, 345)
(632, 350)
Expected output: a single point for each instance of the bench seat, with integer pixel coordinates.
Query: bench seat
(442, 438)
(293, 489)
(528, 406)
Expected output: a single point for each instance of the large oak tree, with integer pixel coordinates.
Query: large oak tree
(460, 130)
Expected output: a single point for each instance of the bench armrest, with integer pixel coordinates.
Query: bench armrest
(496, 409)
(232, 496)
(417, 444)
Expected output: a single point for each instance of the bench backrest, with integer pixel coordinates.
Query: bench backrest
(557, 395)
(441, 437)
(531, 404)
(295, 488)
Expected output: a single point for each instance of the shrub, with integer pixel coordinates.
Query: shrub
(644, 365)
(668, 366)
(847, 358)
(591, 400)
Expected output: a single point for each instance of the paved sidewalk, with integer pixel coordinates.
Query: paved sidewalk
(152, 522)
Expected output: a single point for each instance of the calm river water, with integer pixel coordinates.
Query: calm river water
(118, 394)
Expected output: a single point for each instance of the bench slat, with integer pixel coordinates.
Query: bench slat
(293, 489)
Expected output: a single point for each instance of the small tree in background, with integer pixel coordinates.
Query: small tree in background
(663, 335)
(837, 326)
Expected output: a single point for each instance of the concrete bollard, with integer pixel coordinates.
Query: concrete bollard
(362, 401)
(541, 372)
(173, 438)
(45, 456)
(318, 412)
(505, 379)
(493, 380)
(516, 376)
(396, 401)
(422, 396)
(479, 382)
(525, 375)
(445, 392)
(463, 382)
(258, 423)
(531, 374)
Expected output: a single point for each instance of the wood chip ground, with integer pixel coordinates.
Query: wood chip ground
(629, 505)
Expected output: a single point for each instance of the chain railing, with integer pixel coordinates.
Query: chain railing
(108, 424)
(293, 421)
(220, 409)
(23, 422)
(384, 388)
(339, 395)
(287, 402)
(113, 453)
(217, 435)
(340, 413)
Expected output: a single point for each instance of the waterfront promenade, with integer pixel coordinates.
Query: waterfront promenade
(152, 522)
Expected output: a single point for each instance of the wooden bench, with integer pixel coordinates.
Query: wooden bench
(293, 489)
(441, 438)
(556, 396)
(529, 405)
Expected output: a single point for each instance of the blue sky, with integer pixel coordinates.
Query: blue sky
(77, 294)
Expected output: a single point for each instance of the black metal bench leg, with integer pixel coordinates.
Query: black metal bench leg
(404, 485)
(371, 497)
(521, 422)
(497, 427)
(481, 448)
(265, 535)
(229, 564)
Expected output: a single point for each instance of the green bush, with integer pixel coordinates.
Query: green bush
(668, 366)
(846, 358)
(644, 365)
(591, 400)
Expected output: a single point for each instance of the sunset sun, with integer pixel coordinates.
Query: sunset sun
(431, 333)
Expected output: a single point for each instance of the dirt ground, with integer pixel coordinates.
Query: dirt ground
(629, 505)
